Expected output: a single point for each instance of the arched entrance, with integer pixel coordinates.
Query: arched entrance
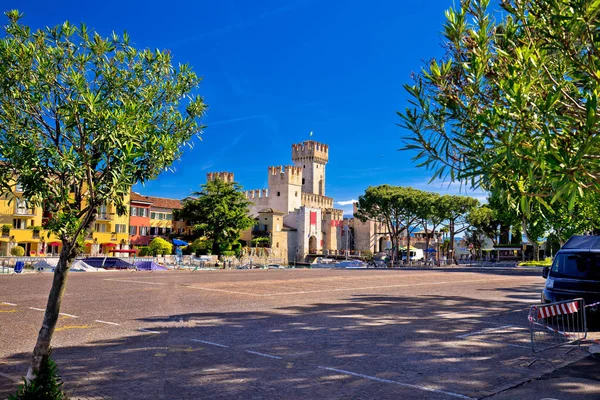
(312, 245)
(382, 243)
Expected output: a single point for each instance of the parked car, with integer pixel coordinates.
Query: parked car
(575, 273)
(275, 266)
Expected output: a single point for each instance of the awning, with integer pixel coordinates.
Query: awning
(123, 251)
(109, 244)
(54, 244)
(178, 242)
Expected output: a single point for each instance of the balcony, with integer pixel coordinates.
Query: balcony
(21, 211)
(103, 217)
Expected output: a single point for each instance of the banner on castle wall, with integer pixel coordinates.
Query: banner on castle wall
(313, 218)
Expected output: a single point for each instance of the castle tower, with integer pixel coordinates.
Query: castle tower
(223, 176)
(311, 157)
(285, 188)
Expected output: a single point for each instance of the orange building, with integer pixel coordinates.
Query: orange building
(139, 219)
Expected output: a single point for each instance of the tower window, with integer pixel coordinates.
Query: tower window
(317, 165)
(296, 194)
(303, 181)
(278, 194)
(304, 166)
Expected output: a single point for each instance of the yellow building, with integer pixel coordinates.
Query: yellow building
(22, 225)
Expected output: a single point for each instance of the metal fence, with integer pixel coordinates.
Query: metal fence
(557, 324)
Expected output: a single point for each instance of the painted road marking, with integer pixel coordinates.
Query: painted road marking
(69, 315)
(500, 343)
(348, 289)
(8, 311)
(12, 378)
(106, 322)
(211, 343)
(132, 281)
(483, 331)
(147, 330)
(9, 304)
(263, 354)
(64, 328)
(374, 378)
(37, 309)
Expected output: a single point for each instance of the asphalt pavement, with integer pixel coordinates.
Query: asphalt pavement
(414, 334)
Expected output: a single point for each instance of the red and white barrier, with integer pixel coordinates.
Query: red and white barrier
(558, 309)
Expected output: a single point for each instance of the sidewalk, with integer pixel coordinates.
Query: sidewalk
(577, 381)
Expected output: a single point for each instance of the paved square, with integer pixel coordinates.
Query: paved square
(419, 334)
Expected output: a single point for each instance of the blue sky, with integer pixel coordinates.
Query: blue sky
(274, 71)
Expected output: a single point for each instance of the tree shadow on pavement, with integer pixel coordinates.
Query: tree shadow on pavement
(430, 341)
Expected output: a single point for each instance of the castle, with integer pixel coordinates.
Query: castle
(294, 213)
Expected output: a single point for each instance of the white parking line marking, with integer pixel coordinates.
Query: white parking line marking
(12, 378)
(37, 309)
(106, 322)
(147, 330)
(374, 378)
(500, 343)
(69, 315)
(211, 343)
(132, 281)
(347, 289)
(9, 304)
(484, 331)
(263, 354)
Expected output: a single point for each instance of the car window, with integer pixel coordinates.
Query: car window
(577, 265)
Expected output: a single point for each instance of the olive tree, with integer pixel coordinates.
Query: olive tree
(83, 118)
(513, 103)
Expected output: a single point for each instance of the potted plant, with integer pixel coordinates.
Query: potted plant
(36, 231)
(6, 230)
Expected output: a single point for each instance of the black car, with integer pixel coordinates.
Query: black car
(575, 272)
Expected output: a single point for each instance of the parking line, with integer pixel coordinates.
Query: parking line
(263, 354)
(484, 331)
(9, 304)
(106, 322)
(132, 281)
(37, 309)
(147, 330)
(374, 378)
(211, 343)
(69, 315)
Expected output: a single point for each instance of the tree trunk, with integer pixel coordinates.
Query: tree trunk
(215, 247)
(42, 346)
(408, 260)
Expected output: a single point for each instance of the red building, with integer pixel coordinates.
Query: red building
(139, 219)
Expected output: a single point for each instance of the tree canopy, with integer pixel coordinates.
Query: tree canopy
(220, 212)
(513, 104)
(159, 246)
(83, 118)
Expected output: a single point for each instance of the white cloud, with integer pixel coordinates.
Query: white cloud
(346, 202)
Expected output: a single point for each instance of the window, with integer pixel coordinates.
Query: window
(143, 231)
(132, 230)
(167, 231)
(169, 217)
(152, 230)
(161, 231)
(180, 230)
(19, 223)
(296, 194)
(100, 227)
(303, 181)
(142, 212)
(120, 228)
(277, 244)
(278, 194)
(133, 212)
(152, 215)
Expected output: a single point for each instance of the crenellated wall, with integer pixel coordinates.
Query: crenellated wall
(224, 176)
(316, 201)
(310, 150)
(285, 174)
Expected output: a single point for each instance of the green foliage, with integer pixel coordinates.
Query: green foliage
(84, 117)
(542, 263)
(144, 251)
(46, 384)
(17, 251)
(228, 253)
(159, 246)
(367, 254)
(220, 213)
(6, 228)
(513, 104)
